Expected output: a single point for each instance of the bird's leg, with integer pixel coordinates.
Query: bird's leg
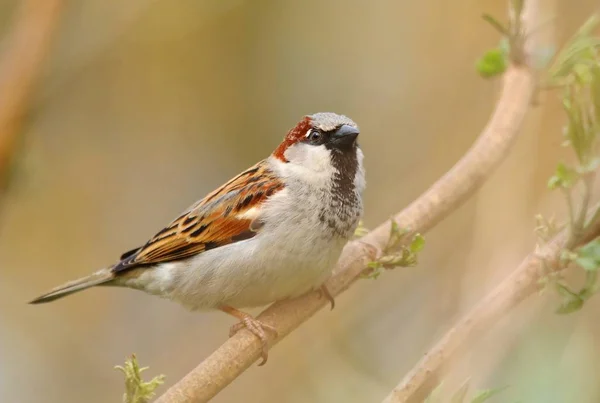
(324, 292)
(253, 325)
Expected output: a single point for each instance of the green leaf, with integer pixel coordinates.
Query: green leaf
(390, 261)
(492, 63)
(567, 256)
(577, 131)
(588, 256)
(564, 177)
(580, 46)
(374, 265)
(553, 182)
(396, 234)
(360, 230)
(566, 291)
(371, 275)
(571, 302)
(394, 228)
(587, 263)
(591, 166)
(570, 305)
(417, 244)
(484, 395)
(589, 26)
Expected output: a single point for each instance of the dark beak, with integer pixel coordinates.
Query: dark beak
(345, 135)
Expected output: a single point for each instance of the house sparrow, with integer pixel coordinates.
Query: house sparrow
(273, 232)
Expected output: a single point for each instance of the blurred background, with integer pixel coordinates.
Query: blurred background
(144, 106)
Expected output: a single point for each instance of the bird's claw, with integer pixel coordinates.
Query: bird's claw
(324, 292)
(257, 328)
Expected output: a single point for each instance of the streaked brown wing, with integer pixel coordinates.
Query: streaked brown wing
(227, 215)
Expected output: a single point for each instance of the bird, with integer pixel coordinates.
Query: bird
(273, 232)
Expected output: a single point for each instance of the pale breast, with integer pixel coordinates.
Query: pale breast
(294, 253)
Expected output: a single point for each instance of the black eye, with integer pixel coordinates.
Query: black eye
(315, 137)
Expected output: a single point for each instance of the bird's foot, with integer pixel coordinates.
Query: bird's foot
(255, 326)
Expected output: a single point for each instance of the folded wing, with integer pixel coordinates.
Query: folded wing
(229, 214)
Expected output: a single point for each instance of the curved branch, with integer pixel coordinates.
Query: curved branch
(426, 375)
(446, 195)
(523, 282)
(423, 378)
(27, 46)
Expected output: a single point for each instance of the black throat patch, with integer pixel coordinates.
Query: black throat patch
(345, 209)
(345, 162)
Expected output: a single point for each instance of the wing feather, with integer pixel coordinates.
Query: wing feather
(229, 214)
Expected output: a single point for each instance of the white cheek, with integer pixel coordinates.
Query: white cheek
(313, 158)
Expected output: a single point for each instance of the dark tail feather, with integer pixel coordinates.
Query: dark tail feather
(98, 278)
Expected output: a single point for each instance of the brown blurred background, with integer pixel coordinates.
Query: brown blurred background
(145, 106)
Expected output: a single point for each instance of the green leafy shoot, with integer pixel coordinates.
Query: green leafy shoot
(395, 238)
(492, 63)
(360, 230)
(495, 61)
(576, 71)
(571, 300)
(396, 253)
(579, 49)
(136, 390)
(588, 258)
(545, 229)
(564, 177)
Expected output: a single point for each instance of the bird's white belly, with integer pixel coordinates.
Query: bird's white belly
(249, 273)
